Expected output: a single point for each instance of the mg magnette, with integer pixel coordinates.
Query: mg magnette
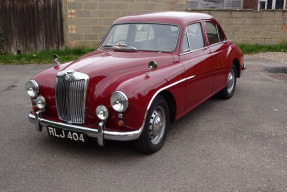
(148, 71)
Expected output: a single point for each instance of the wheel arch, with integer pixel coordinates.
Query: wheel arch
(171, 104)
(237, 65)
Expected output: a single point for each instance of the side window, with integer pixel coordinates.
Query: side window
(185, 46)
(193, 38)
(221, 37)
(214, 34)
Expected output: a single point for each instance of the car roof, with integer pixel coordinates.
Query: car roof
(180, 18)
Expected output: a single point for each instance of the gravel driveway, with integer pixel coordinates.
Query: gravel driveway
(273, 56)
(231, 145)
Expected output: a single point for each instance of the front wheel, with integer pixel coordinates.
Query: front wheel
(155, 129)
(228, 91)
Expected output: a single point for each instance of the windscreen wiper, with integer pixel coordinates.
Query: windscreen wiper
(123, 47)
(107, 45)
(120, 47)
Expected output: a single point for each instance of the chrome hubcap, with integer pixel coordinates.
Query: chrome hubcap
(157, 125)
(230, 81)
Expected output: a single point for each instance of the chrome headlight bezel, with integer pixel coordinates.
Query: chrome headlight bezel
(32, 88)
(102, 112)
(119, 101)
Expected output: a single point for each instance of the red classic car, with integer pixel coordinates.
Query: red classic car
(148, 71)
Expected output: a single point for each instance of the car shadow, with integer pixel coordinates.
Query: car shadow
(125, 149)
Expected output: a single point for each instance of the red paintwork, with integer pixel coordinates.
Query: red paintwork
(110, 71)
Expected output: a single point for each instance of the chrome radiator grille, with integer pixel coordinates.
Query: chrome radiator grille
(70, 90)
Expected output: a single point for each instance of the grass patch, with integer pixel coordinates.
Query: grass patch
(72, 54)
(44, 56)
(253, 49)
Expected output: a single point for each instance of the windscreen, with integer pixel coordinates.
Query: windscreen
(143, 36)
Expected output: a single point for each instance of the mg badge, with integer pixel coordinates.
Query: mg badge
(69, 75)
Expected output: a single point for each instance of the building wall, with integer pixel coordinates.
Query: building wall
(207, 4)
(253, 27)
(250, 4)
(253, 4)
(87, 21)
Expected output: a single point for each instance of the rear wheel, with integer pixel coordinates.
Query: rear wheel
(228, 91)
(155, 129)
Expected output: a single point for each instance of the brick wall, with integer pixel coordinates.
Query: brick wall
(250, 4)
(87, 21)
(253, 27)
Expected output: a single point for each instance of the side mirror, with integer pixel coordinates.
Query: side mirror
(56, 59)
(152, 65)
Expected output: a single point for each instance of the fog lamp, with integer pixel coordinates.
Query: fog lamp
(102, 112)
(40, 102)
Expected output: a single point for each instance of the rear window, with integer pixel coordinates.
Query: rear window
(214, 34)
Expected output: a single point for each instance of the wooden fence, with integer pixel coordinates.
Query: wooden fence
(31, 25)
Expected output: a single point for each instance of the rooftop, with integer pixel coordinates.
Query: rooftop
(179, 18)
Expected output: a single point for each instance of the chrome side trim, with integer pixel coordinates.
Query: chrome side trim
(220, 42)
(156, 93)
(190, 77)
(206, 47)
(194, 50)
(166, 87)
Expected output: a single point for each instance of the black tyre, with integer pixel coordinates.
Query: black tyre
(228, 91)
(156, 127)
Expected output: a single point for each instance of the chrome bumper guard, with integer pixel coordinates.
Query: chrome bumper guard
(101, 134)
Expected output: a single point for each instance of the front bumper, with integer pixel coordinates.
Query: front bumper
(101, 134)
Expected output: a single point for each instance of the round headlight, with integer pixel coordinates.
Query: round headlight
(102, 112)
(119, 101)
(40, 102)
(32, 88)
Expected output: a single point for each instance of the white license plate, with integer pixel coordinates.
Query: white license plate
(74, 136)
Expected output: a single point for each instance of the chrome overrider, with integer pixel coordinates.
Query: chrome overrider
(101, 134)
